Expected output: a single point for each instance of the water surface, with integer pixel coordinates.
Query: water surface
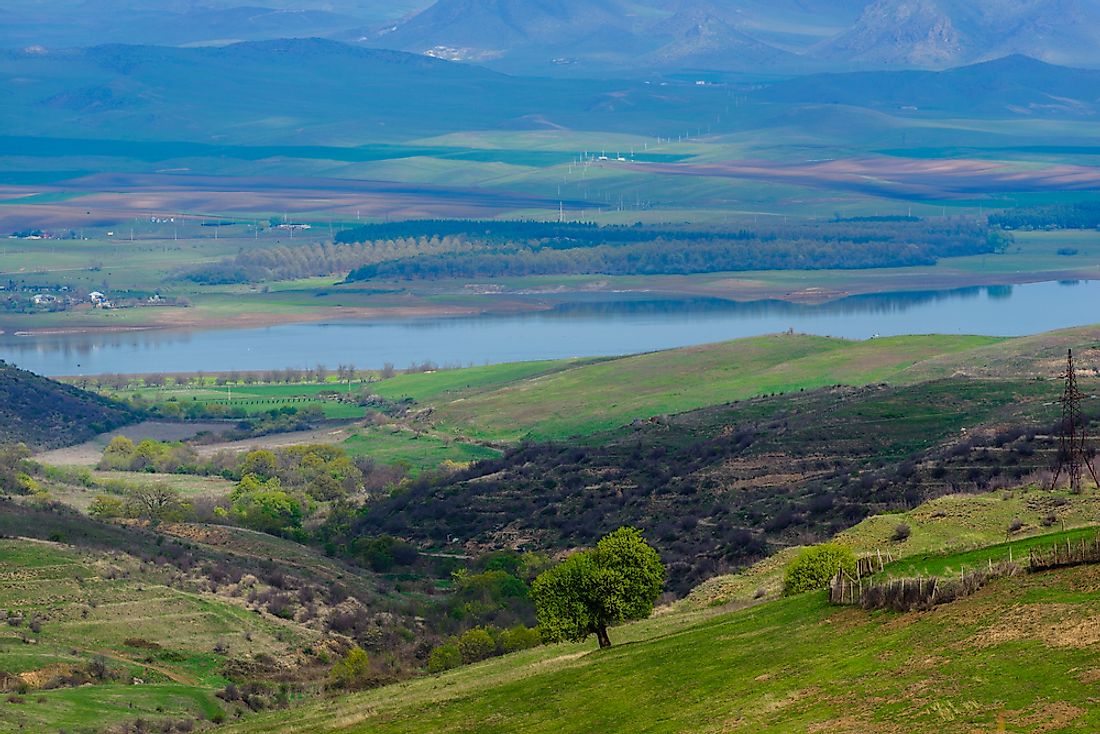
(592, 327)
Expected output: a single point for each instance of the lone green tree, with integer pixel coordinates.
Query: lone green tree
(616, 581)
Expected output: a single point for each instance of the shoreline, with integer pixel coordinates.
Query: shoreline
(736, 287)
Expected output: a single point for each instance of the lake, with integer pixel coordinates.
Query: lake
(598, 326)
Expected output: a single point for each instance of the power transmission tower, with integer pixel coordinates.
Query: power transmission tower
(1073, 456)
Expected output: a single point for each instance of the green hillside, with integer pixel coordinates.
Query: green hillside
(113, 609)
(46, 414)
(1022, 649)
(588, 398)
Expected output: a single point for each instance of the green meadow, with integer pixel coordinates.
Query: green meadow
(1017, 653)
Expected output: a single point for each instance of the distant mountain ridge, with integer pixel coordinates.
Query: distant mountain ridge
(600, 37)
(303, 92)
(750, 35)
(1014, 84)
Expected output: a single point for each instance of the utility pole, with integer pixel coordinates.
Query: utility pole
(1073, 456)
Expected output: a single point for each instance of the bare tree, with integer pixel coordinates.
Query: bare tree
(155, 501)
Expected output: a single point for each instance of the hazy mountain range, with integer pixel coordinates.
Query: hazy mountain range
(317, 91)
(600, 36)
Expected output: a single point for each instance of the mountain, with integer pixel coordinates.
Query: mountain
(46, 414)
(746, 35)
(598, 37)
(77, 23)
(940, 33)
(699, 36)
(1015, 85)
(481, 30)
(899, 33)
(306, 91)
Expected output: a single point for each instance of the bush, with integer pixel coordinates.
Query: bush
(518, 638)
(815, 567)
(1016, 526)
(106, 507)
(476, 644)
(444, 657)
(352, 671)
(902, 533)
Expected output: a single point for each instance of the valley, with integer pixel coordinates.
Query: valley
(549, 366)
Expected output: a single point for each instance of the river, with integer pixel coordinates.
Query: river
(598, 326)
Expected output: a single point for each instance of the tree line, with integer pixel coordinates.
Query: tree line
(651, 251)
(1082, 215)
(466, 249)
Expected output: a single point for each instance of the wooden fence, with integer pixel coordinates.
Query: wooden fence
(925, 592)
(1070, 553)
(909, 594)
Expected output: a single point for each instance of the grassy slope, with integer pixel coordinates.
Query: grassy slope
(89, 613)
(1023, 649)
(596, 397)
(952, 523)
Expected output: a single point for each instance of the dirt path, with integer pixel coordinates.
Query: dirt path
(172, 675)
(89, 452)
(327, 434)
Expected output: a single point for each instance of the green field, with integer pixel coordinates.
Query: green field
(419, 451)
(592, 398)
(451, 411)
(1022, 650)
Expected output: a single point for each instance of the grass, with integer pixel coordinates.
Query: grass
(189, 486)
(954, 524)
(92, 604)
(596, 397)
(419, 451)
(1022, 650)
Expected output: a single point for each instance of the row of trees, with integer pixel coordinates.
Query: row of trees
(306, 261)
(440, 249)
(802, 247)
(1082, 215)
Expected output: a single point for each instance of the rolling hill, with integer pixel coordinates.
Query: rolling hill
(46, 414)
(1010, 86)
(305, 91)
(1019, 654)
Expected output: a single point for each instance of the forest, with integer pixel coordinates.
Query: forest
(1081, 215)
(431, 249)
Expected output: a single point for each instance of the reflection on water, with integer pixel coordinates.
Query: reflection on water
(591, 325)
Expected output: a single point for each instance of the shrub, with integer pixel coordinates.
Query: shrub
(106, 507)
(815, 567)
(476, 644)
(518, 638)
(1016, 526)
(902, 533)
(444, 657)
(352, 671)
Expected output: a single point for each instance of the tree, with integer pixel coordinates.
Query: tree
(444, 657)
(352, 671)
(618, 580)
(815, 567)
(156, 501)
(118, 454)
(261, 463)
(106, 507)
